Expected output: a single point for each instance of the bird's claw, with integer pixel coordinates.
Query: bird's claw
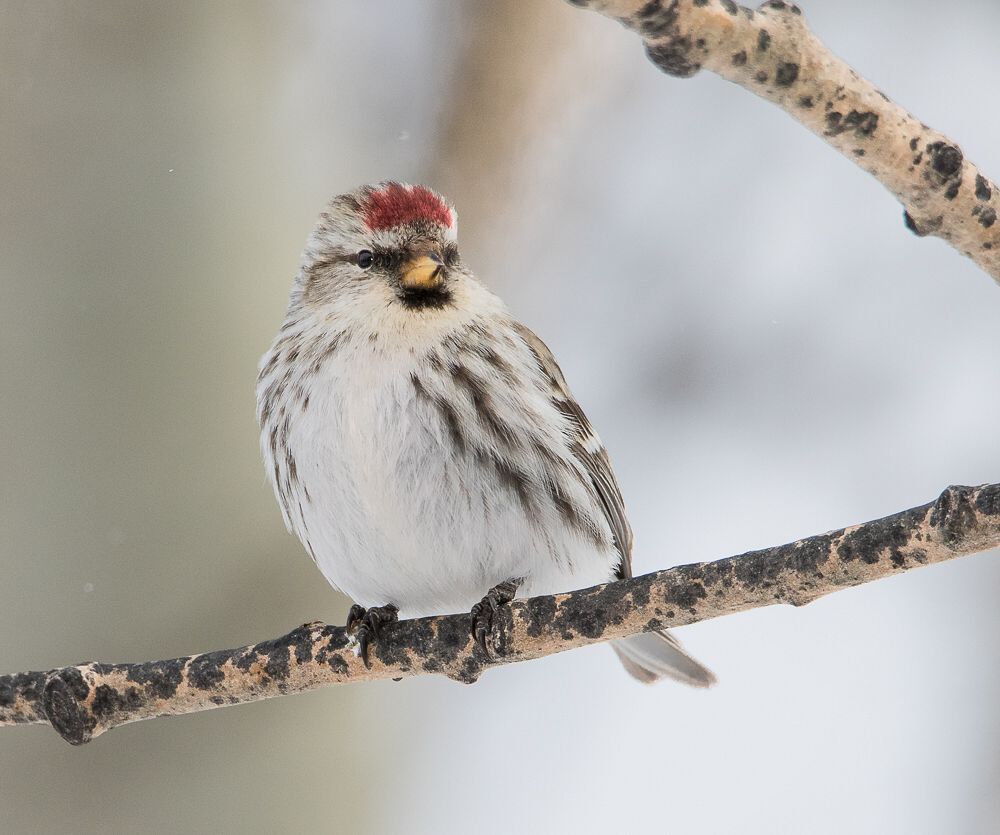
(354, 616)
(367, 625)
(484, 612)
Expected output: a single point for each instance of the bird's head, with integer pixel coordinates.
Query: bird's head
(390, 244)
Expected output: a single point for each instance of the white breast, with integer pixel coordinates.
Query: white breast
(393, 510)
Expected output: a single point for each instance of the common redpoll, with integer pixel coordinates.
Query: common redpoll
(423, 444)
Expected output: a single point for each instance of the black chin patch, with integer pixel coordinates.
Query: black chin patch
(425, 299)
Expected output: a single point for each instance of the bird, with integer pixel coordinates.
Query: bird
(424, 445)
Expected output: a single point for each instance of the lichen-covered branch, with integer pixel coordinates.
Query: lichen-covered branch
(84, 701)
(772, 53)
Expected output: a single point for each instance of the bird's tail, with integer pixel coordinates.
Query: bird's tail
(650, 656)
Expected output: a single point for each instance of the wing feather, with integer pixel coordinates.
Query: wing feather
(587, 448)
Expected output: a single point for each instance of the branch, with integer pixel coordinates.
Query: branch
(84, 701)
(770, 52)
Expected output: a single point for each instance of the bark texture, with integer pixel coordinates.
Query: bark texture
(84, 701)
(772, 53)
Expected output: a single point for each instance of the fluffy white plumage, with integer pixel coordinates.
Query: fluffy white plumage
(423, 444)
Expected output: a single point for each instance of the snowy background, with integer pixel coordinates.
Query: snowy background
(765, 350)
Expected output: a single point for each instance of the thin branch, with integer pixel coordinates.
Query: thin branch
(85, 701)
(773, 54)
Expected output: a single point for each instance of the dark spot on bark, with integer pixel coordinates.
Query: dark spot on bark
(946, 159)
(913, 143)
(786, 74)
(983, 190)
(806, 101)
(762, 570)
(436, 645)
(863, 124)
(302, 644)
(205, 671)
(451, 637)
(655, 22)
(763, 40)
(730, 7)
(700, 3)
(952, 191)
(654, 624)
(778, 5)
(75, 683)
(335, 661)
(761, 76)
(329, 650)
(858, 152)
(988, 217)
(160, 678)
(390, 648)
(919, 158)
(539, 615)
(869, 541)
(27, 686)
(470, 671)
(640, 595)
(688, 595)
(700, 43)
(988, 500)
(274, 655)
(590, 613)
(108, 700)
(739, 58)
(673, 56)
(953, 514)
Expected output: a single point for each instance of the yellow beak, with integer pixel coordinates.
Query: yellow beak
(422, 273)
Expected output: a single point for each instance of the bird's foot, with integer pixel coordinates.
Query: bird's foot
(485, 610)
(367, 623)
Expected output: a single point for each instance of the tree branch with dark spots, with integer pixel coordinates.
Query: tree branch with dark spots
(772, 53)
(84, 701)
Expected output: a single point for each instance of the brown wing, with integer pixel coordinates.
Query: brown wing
(587, 448)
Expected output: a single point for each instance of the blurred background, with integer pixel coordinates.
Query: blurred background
(766, 351)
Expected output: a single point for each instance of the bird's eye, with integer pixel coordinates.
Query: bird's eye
(365, 259)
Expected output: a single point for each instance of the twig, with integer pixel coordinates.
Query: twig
(85, 701)
(772, 53)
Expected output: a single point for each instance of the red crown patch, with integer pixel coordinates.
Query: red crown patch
(394, 204)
